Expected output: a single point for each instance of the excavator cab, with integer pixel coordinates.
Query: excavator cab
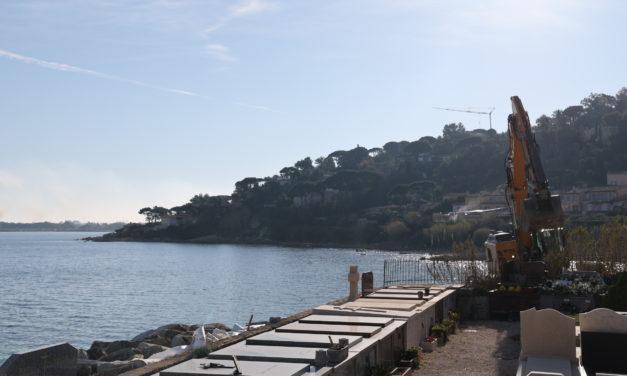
(538, 214)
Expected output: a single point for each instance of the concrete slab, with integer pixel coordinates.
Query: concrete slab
(193, 368)
(299, 339)
(394, 304)
(255, 353)
(398, 291)
(363, 311)
(345, 320)
(377, 295)
(359, 330)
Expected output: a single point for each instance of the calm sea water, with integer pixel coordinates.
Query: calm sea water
(55, 288)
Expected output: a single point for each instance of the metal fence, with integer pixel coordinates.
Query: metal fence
(413, 270)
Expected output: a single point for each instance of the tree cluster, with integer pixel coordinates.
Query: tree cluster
(386, 195)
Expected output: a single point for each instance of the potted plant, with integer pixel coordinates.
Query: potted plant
(449, 325)
(440, 332)
(409, 358)
(337, 353)
(400, 371)
(455, 316)
(379, 371)
(429, 344)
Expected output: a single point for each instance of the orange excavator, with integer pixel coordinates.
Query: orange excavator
(537, 216)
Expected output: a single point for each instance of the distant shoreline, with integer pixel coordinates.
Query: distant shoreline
(206, 240)
(66, 226)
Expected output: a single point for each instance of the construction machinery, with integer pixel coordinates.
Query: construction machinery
(537, 216)
(488, 112)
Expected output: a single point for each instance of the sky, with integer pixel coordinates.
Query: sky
(108, 106)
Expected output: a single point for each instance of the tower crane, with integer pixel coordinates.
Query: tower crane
(489, 112)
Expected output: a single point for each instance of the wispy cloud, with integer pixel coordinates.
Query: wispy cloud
(219, 52)
(74, 69)
(258, 107)
(243, 9)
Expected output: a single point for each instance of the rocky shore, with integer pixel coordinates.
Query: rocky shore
(111, 358)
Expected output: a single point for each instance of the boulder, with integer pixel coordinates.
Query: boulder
(149, 349)
(181, 339)
(116, 367)
(82, 354)
(97, 350)
(168, 331)
(177, 327)
(83, 370)
(119, 345)
(128, 353)
(158, 340)
(145, 335)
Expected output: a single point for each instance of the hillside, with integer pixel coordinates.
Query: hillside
(386, 196)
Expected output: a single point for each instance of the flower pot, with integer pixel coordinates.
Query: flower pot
(429, 346)
(401, 371)
(407, 363)
(337, 356)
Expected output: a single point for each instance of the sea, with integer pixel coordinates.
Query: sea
(55, 287)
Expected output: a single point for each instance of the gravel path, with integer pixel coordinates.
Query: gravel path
(479, 348)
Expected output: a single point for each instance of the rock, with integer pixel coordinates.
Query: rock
(82, 354)
(83, 370)
(119, 345)
(159, 341)
(128, 353)
(97, 350)
(217, 325)
(114, 368)
(149, 349)
(181, 339)
(145, 335)
(177, 327)
(170, 333)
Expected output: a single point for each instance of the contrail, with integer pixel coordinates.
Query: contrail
(70, 68)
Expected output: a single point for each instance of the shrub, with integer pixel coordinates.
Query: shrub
(616, 297)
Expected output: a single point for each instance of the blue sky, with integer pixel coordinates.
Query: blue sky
(107, 106)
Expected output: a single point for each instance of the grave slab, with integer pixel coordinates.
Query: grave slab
(378, 295)
(274, 338)
(393, 304)
(255, 353)
(359, 330)
(193, 368)
(406, 291)
(345, 320)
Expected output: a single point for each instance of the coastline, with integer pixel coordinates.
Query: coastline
(383, 247)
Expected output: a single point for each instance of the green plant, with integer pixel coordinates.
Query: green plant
(616, 297)
(380, 371)
(409, 354)
(449, 324)
(441, 332)
(454, 315)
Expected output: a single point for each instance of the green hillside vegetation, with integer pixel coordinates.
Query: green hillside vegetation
(386, 196)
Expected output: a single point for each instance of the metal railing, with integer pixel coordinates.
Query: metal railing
(413, 270)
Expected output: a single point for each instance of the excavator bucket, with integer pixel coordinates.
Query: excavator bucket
(538, 214)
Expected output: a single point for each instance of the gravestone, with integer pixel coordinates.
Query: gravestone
(353, 282)
(367, 283)
(55, 360)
